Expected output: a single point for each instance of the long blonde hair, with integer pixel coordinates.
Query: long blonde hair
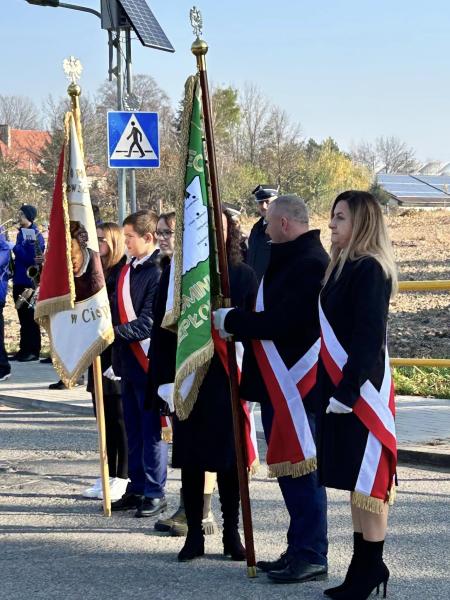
(115, 241)
(369, 236)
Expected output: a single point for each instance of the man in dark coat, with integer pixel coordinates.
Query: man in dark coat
(285, 334)
(258, 253)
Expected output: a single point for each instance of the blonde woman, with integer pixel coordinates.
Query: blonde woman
(112, 248)
(356, 443)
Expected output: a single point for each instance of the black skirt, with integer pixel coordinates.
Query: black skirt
(205, 439)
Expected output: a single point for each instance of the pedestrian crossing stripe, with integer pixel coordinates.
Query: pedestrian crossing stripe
(133, 144)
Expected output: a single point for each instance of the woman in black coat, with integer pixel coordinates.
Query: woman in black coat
(111, 249)
(356, 431)
(205, 441)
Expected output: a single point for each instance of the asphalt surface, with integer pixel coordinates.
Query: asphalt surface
(56, 545)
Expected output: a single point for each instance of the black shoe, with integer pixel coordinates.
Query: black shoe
(5, 373)
(60, 385)
(127, 502)
(46, 361)
(14, 357)
(151, 507)
(194, 547)
(273, 565)
(232, 545)
(28, 357)
(298, 571)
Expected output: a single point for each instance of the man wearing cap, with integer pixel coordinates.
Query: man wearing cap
(259, 242)
(24, 257)
(279, 372)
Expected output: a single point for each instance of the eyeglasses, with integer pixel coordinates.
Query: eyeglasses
(164, 233)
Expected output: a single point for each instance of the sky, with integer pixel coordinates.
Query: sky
(349, 69)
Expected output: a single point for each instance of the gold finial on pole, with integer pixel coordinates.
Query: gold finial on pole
(73, 69)
(199, 47)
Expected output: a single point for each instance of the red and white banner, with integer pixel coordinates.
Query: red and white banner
(291, 447)
(375, 409)
(251, 441)
(73, 302)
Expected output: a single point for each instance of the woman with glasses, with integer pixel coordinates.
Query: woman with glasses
(112, 248)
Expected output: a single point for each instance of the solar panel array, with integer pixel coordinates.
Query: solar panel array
(145, 25)
(416, 186)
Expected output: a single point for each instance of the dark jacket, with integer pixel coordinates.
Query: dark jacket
(143, 285)
(24, 256)
(290, 318)
(258, 254)
(110, 387)
(205, 439)
(356, 307)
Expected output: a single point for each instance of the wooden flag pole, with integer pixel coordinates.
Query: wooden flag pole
(199, 49)
(100, 410)
(74, 92)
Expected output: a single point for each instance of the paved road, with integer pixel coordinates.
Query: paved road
(57, 545)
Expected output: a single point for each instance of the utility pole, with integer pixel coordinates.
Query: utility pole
(132, 172)
(121, 173)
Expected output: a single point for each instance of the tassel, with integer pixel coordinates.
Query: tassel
(373, 505)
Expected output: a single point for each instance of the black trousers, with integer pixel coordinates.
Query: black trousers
(30, 334)
(116, 436)
(3, 356)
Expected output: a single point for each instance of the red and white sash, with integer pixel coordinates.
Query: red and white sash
(291, 448)
(139, 349)
(247, 407)
(376, 410)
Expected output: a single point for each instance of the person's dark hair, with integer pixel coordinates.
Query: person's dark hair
(143, 221)
(233, 244)
(169, 218)
(79, 233)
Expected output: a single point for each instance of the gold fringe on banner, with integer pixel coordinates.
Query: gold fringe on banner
(286, 469)
(184, 407)
(166, 435)
(373, 505)
(171, 317)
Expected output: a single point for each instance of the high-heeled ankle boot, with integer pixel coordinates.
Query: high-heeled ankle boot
(370, 573)
(228, 485)
(194, 546)
(357, 547)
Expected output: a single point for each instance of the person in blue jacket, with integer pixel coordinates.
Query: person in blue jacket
(5, 254)
(24, 257)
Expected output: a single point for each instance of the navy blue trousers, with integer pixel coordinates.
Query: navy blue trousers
(147, 453)
(306, 502)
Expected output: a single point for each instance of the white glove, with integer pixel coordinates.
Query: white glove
(219, 316)
(336, 407)
(165, 391)
(109, 374)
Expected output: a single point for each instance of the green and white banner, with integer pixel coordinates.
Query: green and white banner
(188, 308)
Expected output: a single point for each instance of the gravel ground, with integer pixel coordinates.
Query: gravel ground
(54, 544)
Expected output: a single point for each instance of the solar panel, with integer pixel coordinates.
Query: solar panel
(145, 25)
(404, 186)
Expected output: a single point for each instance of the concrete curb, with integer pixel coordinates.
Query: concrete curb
(406, 456)
(73, 409)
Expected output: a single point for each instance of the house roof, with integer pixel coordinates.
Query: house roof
(25, 147)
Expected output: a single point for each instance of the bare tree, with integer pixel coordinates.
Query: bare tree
(365, 154)
(394, 155)
(255, 111)
(19, 112)
(281, 148)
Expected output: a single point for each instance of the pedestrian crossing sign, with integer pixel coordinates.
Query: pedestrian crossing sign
(133, 140)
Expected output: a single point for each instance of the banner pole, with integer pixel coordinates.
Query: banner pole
(199, 49)
(100, 410)
(74, 92)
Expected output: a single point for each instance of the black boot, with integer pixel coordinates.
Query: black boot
(357, 551)
(228, 484)
(193, 482)
(370, 573)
